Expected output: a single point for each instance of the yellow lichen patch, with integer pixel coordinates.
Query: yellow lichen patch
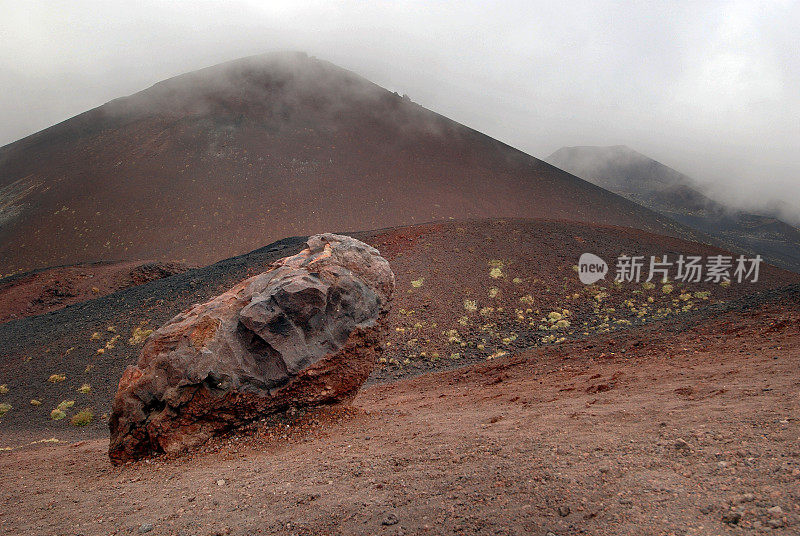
(470, 305)
(702, 295)
(516, 280)
(3, 389)
(497, 354)
(418, 282)
(486, 311)
(496, 273)
(494, 292)
(56, 378)
(112, 329)
(101, 350)
(666, 289)
(66, 404)
(82, 418)
(50, 440)
(35, 402)
(57, 414)
(139, 334)
(527, 299)
(4, 408)
(452, 336)
(85, 389)
(112, 342)
(95, 336)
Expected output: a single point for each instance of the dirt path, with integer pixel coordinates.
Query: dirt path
(671, 434)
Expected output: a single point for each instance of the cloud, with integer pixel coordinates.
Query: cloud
(710, 88)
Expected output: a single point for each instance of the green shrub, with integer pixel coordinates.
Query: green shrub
(82, 418)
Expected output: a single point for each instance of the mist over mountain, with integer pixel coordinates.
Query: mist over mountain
(220, 161)
(650, 183)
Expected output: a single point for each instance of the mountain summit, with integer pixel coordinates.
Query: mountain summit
(223, 160)
(650, 183)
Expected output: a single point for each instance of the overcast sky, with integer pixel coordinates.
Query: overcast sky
(710, 88)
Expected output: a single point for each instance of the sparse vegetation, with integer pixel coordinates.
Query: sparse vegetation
(35, 402)
(3, 389)
(416, 283)
(57, 414)
(56, 378)
(82, 418)
(85, 389)
(4, 408)
(139, 335)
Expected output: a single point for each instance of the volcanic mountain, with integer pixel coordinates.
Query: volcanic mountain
(671, 193)
(220, 161)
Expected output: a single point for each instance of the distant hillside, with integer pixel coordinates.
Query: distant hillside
(223, 160)
(654, 185)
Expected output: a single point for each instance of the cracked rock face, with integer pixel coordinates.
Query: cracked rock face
(305, 332)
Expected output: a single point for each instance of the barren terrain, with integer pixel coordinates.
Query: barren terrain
(672, 429)
(218, 162)
(651, 410)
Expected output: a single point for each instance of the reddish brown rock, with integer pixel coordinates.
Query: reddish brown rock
(306, 332)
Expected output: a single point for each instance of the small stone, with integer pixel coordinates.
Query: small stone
(220, 482)
(731, 518)
(707, 509)
(775, 523)
(681, 444)
(775, 511)
(744, 498)
(563, 511)
(144, 528)
(389, 520)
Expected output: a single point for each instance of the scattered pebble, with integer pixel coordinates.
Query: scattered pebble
(389, 520)
(681, 444)
(732, 517)
(775, 511)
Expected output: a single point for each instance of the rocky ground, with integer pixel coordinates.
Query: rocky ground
(466, 292)
(43, 291)
(675, 428)
(674, 415)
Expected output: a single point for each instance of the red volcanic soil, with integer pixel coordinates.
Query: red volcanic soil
(220, 161)
(678, 427)
(674, 415)
(43, 291)
(448, 310)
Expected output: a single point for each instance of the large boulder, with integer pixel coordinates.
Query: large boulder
(305, 332)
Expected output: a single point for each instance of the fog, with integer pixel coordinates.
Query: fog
(709, 88)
